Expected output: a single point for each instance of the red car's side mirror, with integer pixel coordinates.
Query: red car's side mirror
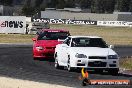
(34, 39)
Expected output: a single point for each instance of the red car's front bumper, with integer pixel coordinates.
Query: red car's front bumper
(43, 53)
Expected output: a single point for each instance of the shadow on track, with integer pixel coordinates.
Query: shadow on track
(45, 59)
(52, 60)
(125, 75)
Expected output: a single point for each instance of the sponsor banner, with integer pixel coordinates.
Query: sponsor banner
(87, 22)
(65, 21)
(130, 24)
(110, 82)
(12, 24)
(112, 23)
(45, 20)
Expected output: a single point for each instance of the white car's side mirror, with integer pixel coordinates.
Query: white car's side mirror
(111, 46)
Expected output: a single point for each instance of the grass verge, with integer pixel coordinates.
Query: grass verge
(126, 63)
(112, 35)
(16, 38)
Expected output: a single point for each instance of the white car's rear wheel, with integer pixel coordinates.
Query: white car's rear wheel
(57, 64)
(69, 68)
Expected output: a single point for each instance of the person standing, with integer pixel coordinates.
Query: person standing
(85, 76)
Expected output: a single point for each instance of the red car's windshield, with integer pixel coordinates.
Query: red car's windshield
(53, 35)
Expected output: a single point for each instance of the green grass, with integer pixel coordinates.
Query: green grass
(112, 35)
(126, 63)
(15, 38)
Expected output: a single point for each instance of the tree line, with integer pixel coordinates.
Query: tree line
(94, 6)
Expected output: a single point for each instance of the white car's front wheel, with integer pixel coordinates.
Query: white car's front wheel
(113, 71)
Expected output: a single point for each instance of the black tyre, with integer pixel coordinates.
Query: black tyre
(35, 58)
(113, 71)
(99, 71)
(57, 64)
(69, 68)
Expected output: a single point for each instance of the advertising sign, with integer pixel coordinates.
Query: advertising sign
(112, 23)
(65, 21)
(12, 24)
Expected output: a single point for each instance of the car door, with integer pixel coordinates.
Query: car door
(65, 48)
(60, 51)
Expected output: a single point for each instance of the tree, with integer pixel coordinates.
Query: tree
(98, 6)
(130, 6)
(70, 3)
(85, 3)
(6, 2)
(109, 6)
(93, 6)
(103, 6)
(27, 10)
(52, 4)
(60, 4)
(38, 3)
(123, 5)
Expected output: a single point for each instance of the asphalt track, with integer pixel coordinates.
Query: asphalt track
(16, 62)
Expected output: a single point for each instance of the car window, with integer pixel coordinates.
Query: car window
(67, 41)
(88, 42)
(53, 35)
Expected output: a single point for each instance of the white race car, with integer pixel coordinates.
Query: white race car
(90, 52)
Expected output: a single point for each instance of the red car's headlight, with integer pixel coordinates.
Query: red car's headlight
(39, 48)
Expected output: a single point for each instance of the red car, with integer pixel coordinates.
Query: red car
(46, 41)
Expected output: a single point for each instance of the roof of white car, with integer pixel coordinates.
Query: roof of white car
(85, 36)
